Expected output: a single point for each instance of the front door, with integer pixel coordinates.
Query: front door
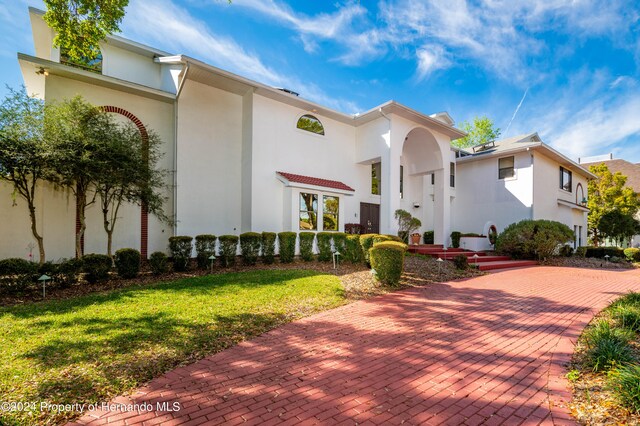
(370, 218)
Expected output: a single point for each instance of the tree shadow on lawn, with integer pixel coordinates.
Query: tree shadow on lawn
(435, 354)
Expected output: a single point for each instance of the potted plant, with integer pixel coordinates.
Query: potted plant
(415, 238)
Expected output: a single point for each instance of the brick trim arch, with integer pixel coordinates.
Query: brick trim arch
(144, 208)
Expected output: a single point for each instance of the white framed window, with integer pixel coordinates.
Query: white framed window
(506, 167)
(565, 179)
(308, 212)
(330, 213)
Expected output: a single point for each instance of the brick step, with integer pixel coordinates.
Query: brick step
(487, 258)
(451, 254)
(505, 264)
(436, 251)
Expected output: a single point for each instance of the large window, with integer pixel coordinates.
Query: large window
(376, 172)
(310, 124)
(308, 212)
(330, 208)
(565, 179)
(452, 175)
(506, 168)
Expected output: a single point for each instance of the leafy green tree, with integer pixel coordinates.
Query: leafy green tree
(482, 130)
(618, 226)
(407, 224)
(80, 25)
(24, 153)
(606, 194)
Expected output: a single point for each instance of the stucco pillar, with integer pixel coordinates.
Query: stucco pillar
(390, 197)
(442, 206)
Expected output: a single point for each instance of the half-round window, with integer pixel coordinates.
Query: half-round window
(93, 65)
(310, 124)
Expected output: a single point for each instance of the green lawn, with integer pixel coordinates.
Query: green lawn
(95, 347)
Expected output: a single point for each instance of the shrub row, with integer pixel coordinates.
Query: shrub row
(601, 252)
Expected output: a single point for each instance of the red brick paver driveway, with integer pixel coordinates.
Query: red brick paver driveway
(489, 350)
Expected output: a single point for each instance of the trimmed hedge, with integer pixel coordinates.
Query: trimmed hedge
(565, 251)
(228, 249)
(127, 262)
(460, 262)
(64, 273)
(581, 251)
(268, 247)
(158, 262)
(632, 254)
(383, 238)
(287, 245)
(601, 252)
(250, 243)
(366, 242)
(205, 248)
(428, 237)
(96, 267)
(16, 274)
(455, 239)
(339, 242)
(180, 247)
(306, 245)
(324, 246)
(387, 259)
(353, 250)
(533, 239)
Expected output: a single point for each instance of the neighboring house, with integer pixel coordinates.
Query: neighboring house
(248, 157)
(630, 170)
(520, 178)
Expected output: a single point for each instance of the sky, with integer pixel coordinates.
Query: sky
(567, 69)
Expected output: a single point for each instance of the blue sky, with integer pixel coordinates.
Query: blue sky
(576, 60)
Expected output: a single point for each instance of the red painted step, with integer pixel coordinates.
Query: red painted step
(505, 264)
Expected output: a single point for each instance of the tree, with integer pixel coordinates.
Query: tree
(608, 193)
(618, 226)
(406, 224)
(130, 175)
(481, 131)
(24, 154)
(80, 25)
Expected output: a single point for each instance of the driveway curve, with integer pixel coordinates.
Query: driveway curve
(488, 350)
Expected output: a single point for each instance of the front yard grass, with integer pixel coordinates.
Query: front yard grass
(92, 348)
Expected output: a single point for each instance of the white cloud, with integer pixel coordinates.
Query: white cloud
(430, 59)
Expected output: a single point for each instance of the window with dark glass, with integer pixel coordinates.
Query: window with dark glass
(308, 212)
(330, 208)
(506, 168)
(310, 124)
(93, 65)
(452, 175)
(376, 172)
(565, 179)
(401, 182)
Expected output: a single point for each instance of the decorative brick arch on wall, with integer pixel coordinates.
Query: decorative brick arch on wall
(144, 209)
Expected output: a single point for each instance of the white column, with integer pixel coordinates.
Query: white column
(390, 197)
(442, 207)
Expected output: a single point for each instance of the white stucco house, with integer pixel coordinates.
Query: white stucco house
(245, 157)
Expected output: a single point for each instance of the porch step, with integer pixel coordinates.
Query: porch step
(505, 264)
(435, 251)
(486, 258)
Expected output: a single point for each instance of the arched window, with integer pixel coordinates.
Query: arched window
(310, 124)
(93, 65)
(580, 198)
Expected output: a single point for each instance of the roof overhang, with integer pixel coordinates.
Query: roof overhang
(312, 185)
(573, 206)
(30, 64)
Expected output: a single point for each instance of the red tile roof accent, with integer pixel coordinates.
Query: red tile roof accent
(308, 180)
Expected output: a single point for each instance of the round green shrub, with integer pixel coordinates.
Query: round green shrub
(339, 242)
(353, 249)
(455, 239)
(382, 238)
(460, 262)
(581, 251)
(306, 245)
(533, 239)
(632, 254)
(159, 263)
(205, 248)
(287, 246)
(324, 246)
(17, 274)
(228, 249)
(428, 237)
(250, 243)
(366, 242)
(127, 262)
(67, 272)
(565, 251)
(387, 259)
(96, 267)
(180, 247)
(268, 247)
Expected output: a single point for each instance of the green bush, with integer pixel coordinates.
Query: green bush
(565, 251)
(428, 237)
(533, 239)
(625, 384)
(387, 259)
(67, 272)
(127, 262)
(228, 249)
(632, 254)
(324, 246)
(205, 248)
(268, 247)
(601, 252)
(17, 274)
(96, 267)
(159, 263)
(287, 246)
(581, 251)
(383, 238)
(180, 247)
(353, 249)
(460, 262)
(250, 243)
(339, 242)
(366, 242)
(607, 346)
(455, 239)
(306, 245)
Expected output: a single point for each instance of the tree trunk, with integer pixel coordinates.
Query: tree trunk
(82, 203)
(34, 231)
